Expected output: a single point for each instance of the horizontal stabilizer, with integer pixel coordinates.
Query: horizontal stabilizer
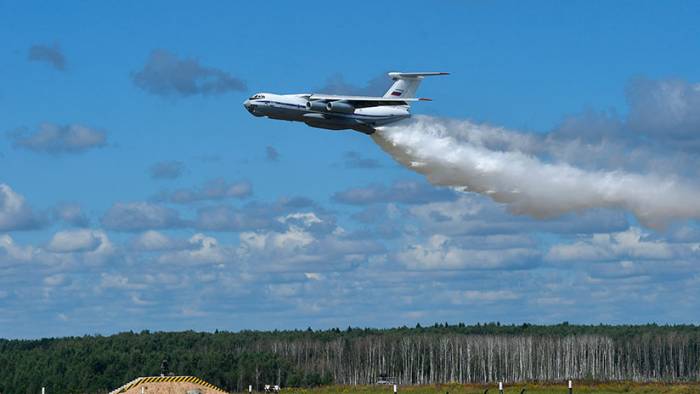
(396, 75)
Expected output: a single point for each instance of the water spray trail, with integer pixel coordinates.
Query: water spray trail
(501, 165)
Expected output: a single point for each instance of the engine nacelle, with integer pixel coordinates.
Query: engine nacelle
(316, 106)
(339, 106)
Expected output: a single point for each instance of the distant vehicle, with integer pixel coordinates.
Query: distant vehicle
(334, 112)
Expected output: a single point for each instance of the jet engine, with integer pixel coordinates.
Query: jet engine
(339, 106)
(315, 106)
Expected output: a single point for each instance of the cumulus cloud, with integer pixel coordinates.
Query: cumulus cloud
(216, 189)
(490, 161)
(252, 216)
(55, 139)
(50, 54)
(660, 133)
(407, 192)
(206, 250)
(15, 212)
(668, 109)
(65, 251)
(636, 256)
(82, 240)
(440, 252)
(138, 216)
(85, 246)
(12, 253)
(633, 244)
(164, 74)
(154, 241)
(298, 247)
(167, 169)
(475, 214)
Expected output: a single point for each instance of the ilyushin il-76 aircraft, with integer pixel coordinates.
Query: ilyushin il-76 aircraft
(334, 112)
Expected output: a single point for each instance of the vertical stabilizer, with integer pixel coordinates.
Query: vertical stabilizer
(406, 84)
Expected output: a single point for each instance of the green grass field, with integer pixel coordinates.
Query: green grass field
(579, 388)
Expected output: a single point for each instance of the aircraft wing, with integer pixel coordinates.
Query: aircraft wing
(364, 99)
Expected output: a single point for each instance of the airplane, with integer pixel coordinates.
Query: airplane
(337, 112)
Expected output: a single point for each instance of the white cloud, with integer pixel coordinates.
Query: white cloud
(313, 276)
(11, 252)
(629, 244)
(205, 250)
(306, 218)
(288, 243)
(441, 252)
(15, 212)
(475, 214)
(82, 240)
(665, 109)
(66, 251)
(299, 246)
(154, 241)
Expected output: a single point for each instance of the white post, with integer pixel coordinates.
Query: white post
(395, 389)
(250, 388)
(43, 390)
(571, 387)
(500, 387)
(143, 389)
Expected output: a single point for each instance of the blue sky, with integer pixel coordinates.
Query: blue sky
(132, 196)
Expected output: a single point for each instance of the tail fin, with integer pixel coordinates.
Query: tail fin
(406, 84)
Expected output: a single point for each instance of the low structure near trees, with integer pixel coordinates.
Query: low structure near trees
(168, 385)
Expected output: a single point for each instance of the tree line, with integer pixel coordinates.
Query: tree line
(441, 353)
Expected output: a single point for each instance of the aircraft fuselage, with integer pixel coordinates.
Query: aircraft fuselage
(297, 108)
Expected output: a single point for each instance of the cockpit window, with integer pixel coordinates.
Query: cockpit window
(257, 96)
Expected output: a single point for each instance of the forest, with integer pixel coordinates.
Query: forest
(441, 353)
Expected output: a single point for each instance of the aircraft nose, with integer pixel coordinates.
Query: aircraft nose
(251, 107)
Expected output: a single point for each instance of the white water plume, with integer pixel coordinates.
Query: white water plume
(504, 165)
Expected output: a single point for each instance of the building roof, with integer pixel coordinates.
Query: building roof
(165, 379)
